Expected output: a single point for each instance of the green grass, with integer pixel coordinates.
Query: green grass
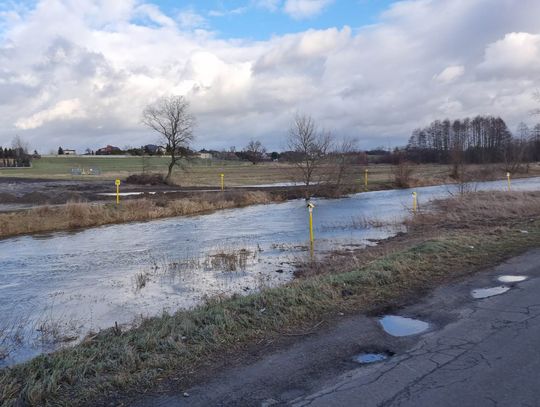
(60, 167)
(204, 172)
(197, 172)
(237, 173)
(183, 342)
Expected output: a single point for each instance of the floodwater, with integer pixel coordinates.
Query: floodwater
(512, 279)
(489, 292)
(402, 326)
(57, 287)
(365, 358)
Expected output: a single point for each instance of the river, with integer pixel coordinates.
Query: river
(55, 288)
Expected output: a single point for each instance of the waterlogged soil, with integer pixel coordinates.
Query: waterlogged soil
(21, 193)
(56, 288)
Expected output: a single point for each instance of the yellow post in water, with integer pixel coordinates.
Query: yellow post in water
(117, 183)
(222, 181)
(508, 178)
(366, 179)
(414, 202)
(311, 238)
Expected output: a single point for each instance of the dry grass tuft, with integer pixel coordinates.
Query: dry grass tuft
(479, 209)
(229, 260)
(74, 215)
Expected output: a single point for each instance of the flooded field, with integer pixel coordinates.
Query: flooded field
(57, 287)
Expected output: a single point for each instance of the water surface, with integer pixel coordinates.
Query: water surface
(59, 286)
(402, 326)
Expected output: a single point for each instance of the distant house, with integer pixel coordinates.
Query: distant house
(203, 154)
(70, 152)
(152, 149)
(109, 150)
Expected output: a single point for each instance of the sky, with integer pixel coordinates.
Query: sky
(78, 73)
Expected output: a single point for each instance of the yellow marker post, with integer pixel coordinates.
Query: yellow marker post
(311, 238)
(366, 179)
(117, 183)
(414, 202)
(508, 178)
(222, 181)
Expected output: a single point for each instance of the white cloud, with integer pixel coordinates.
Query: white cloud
(449, 74)
(153, 14)
(231, 12)
(65, 109)
(190, 19)
(300, 9)
(93, 66)
(271, 5)
(516, 54)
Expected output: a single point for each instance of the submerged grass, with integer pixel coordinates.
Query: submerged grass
(75, 215)
(182, 343)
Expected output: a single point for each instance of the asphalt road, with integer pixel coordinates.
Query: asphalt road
(477, 352)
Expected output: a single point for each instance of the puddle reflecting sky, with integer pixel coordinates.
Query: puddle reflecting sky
(401, 326)
(366, 358)
(512, 279)
(489, 292)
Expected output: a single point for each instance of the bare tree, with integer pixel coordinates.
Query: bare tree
(536, 96)
(20, 152)
(514, 154)
(344, 156)
(19, 145)
(311, 145)
(254, 151)
(170, 117)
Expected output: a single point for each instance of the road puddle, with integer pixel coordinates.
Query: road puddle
(402, 326)
(512, 279)
(489, 292)
(365, 358)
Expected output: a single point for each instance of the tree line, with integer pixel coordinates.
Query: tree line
(14, 157)
(478, 140)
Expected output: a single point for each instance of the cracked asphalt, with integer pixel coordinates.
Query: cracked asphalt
(482, 352)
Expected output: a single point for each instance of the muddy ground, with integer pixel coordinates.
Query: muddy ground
(22, 193)
(476, 352)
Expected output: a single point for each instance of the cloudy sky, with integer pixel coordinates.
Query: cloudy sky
(78, 73)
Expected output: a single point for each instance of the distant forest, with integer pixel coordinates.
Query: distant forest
(480, 140)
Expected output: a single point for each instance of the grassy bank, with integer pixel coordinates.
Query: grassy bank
(438, 248)
(75, 215)
(206, 172)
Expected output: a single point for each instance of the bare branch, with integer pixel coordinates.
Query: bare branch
(310, 144)
(169, 116)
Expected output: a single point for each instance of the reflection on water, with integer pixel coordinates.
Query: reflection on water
(365, 358)
(87, 280)
(401, 326)
(489, 292)
(512, 279)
